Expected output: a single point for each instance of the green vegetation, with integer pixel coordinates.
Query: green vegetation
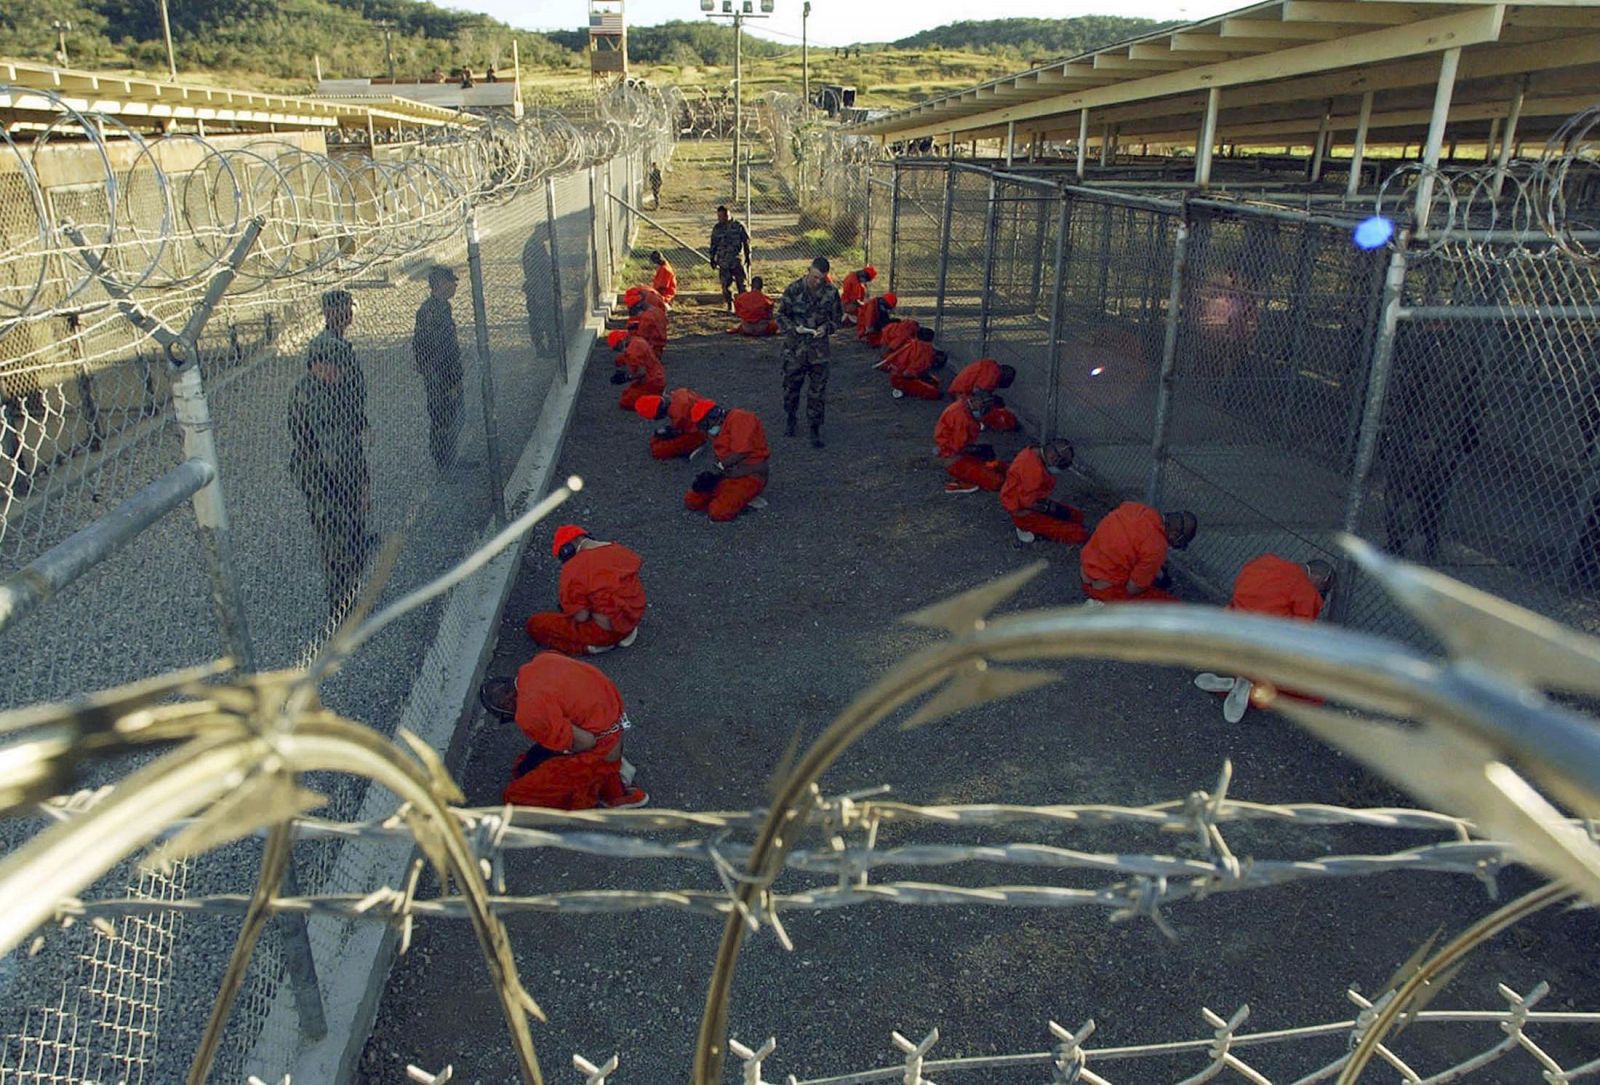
(269, 45)
(1032, 38)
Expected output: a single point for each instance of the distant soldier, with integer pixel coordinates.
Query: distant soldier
(327, 417)
(655, 185)
(437, 354)
(730, 254)
(808, 313)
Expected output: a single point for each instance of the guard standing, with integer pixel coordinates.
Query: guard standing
(808, 313)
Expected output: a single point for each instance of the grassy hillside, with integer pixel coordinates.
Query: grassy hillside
(269, 45)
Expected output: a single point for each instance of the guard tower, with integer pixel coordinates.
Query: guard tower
(608, 39)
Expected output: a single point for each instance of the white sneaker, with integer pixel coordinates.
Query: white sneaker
(758, 502)
(628, 771)
(597, 649)
(627, 641)
(1238, 700)
(954, 487)
(1025, 536)
(1214, 683)
(897, 393)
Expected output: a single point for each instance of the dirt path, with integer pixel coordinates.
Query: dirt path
(770, 625)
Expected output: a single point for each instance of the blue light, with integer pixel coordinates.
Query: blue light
(1374, 233)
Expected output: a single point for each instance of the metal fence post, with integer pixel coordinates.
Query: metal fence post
(944, 244)
(560, 315)
(1052, 395)
(894, 226)
(1169, 363)
(610, 208)
(866, 212)
(985, 306)
(600, 279)
(1372, 411)
(480, 326)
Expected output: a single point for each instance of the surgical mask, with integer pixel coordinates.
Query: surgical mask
(1053, 470)
(714, 430)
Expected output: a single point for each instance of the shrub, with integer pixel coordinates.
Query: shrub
(812, 219)
(846, 229)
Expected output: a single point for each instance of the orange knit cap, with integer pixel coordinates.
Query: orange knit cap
(648, 407)
(564, 534)
(616, 338)
(870, 272)
(890, 300)
(698, 412)
(632, 295)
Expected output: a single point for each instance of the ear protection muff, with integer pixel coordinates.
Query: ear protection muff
(567, 552)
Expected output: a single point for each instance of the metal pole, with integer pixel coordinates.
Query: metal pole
(944, 247)
(1353, 185)
(480, 327)
(47, 574)
(805, 66)
(1377, 389)
(555, 273)
(894, 225)
(1508, 136)
(1449, 62)
(1322, 145)
(1083, 142)
(747, 201)
(990, 229)
(166, 32)
(738, 94)
(1169, 365)
(1052, 394)
(1011, 142)
(1493, 140)
(1105, 145)
(1208, 136)
(61, 29)
(600, 280)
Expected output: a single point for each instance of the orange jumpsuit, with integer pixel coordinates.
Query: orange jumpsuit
(754, 310)
(897, 335)
(1130, 544)
(648, 295)
(872, 319)
(554, 695)
(908, 370)
(651, 325)
(649, 378)
(956, 429)
(604, 580)
(1282, 589)
(665, 282)
(1029, 484)
(985, 373)
(741, 433)
(852, 292)
(686, 436)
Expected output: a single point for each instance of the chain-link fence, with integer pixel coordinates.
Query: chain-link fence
(1231, 358)
(365, 425)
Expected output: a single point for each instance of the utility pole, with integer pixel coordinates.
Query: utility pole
(805, 66)
(387, 26)
(61, 29)
(166, 32)
(738, 11)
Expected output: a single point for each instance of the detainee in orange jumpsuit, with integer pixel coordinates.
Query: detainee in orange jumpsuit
(896, 335)
(1278, 588)
(853, 291)
(740, 445)
(1026, 495)
(990, 375)
(650, 324)
(874, 317)
(1123, 560)
(972, 466)
(647, 294)
(913, 369)
(637, 367)
(665, 280)
(754, 310)
(601, 598)
(678, 435)
(574, 716)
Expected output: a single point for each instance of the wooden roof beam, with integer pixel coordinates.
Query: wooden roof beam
(1106, 62)
(1360, 12)
(1278, 30)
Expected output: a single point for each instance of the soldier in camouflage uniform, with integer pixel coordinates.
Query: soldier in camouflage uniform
(730, 254)
(808, 313)
(327, 418)
(437, 354)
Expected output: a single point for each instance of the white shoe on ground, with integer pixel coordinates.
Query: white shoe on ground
(1214, 683)
(959, 488)
(758, 502)
(1025, 536)
(897, 393)
(1238, 700)
(627, 641)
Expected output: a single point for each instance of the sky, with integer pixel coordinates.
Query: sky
(839, 22)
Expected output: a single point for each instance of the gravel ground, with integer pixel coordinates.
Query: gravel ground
(769, 626)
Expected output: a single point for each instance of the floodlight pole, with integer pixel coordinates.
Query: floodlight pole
(61, 29)
(805, 65)
(166, 32)
(736, 12)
